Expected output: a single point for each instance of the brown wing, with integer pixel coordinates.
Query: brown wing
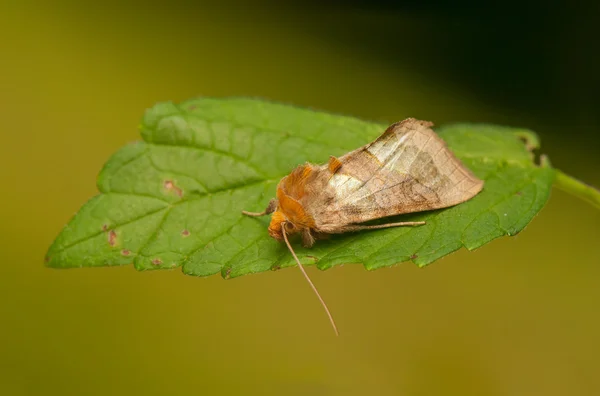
(407, 169)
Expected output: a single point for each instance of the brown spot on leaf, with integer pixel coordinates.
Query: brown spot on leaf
(185, 233)
(276, 267)
(125, 252)
(105, 227)
(192, 107)
(46, 259)
(156, 261)
(112, 238)
(170, 186)
(315, 259)
(414, 256)
(519, 193)
(227, 273)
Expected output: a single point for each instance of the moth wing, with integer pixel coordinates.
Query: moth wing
(407, 169)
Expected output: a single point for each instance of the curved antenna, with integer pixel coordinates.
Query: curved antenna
(287, 242)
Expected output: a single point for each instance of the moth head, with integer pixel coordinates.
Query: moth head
(278, 222)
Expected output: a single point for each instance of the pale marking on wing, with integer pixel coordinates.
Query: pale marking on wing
(399, 147)
(390, 164)
(387, 151)
(339, 182)
(358, 194)
(385, 162)
(382, 151)
(342, 184)
(373, 157)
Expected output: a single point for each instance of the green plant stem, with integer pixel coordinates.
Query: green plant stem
(577, 188)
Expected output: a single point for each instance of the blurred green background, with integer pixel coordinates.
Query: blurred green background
(517, 317)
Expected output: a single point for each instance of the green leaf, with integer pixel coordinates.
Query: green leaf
(175, 198)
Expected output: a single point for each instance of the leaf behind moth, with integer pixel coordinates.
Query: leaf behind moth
(174, 199)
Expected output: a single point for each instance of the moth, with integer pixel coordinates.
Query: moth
(405, 170)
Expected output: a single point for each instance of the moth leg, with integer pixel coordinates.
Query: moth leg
(307, 238)
(270, 209)
(378, 226)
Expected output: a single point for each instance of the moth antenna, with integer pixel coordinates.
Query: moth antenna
(287, 242)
